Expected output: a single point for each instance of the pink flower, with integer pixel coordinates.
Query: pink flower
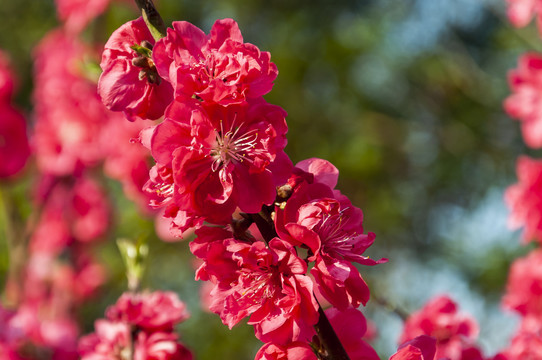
(267, 283)
(111, 341)
(139, 327)
(76, 14)
(325, 222)
(69, 114)
(520, 12)
(76, 209)
(350, 326)
(130, 82)
(422, 347)
(44, 325)
(525, 199)
(216, 68)
(150, 311)
(221, 157)
(525, 102)
(293, 351)
(455, 332)
(161, 189)
(524, 286)
(14, 148)
(526, 343)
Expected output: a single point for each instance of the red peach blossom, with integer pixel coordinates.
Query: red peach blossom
(267, 283)
(161, 189)
(69, 114)
(325, 222)
(524, 285)
(130, 82)
(525, 199)
(455, 332)
(525, 102)
(218, 67)
(222, 157)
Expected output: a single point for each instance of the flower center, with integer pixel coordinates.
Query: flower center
(211, 67)
(233, 145)
(333, 236)
(260, 286)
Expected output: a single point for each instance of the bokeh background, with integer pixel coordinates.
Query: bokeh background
(403, 96)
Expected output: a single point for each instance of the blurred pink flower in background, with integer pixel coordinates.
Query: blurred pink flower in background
(455, 332)
(525, 102)
(524, 199)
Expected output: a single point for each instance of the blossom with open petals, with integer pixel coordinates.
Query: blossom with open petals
(218, 67)
(130, 81)
(221, 158)
(325, 222)
(266, 283)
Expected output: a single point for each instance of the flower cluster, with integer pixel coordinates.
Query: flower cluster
(53, 269)
(524, 285)
(274, 241)
(139, 326)
(220, 159)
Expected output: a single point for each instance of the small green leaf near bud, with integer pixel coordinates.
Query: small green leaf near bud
(141, 50)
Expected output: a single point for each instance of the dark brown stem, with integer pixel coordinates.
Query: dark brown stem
(265, 224)
(331, 347)
(152, 18)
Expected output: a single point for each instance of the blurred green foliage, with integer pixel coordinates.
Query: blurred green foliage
(403, 96)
